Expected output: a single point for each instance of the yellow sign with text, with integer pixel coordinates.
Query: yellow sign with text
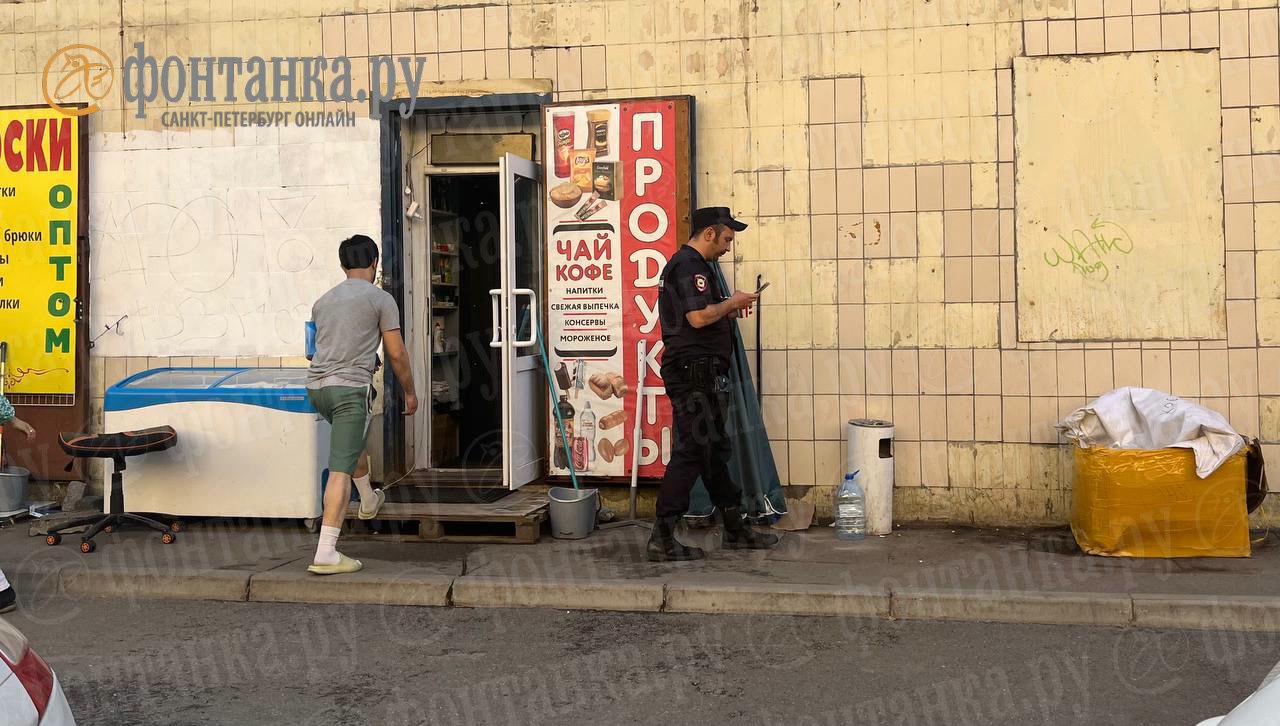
(39, 196)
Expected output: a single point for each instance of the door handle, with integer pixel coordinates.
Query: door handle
(495, 297)
(533, 318)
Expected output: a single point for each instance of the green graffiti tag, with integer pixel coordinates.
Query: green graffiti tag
(1087, 251)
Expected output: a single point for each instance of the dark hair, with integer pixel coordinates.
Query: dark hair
(697, 231)
(357, 252)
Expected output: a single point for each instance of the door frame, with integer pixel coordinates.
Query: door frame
(391, 165)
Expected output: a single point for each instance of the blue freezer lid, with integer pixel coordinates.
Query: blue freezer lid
(283, 389)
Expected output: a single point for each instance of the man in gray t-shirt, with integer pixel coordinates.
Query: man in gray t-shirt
(352, 320)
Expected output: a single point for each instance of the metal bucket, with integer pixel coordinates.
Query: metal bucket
(13, 488)
(573, 512)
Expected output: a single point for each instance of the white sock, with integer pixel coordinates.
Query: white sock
(4, 581)
(327, 549)
(365, 488)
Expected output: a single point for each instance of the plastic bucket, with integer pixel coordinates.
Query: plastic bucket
(573, 512)
(13, 488)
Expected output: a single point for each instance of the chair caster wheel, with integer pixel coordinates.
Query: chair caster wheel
(53, 540)
(175, 526)
(109, 528)
(168, 537)
(312, 524)
(87, 546)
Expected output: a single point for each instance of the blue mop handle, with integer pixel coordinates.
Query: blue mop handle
(551, 392)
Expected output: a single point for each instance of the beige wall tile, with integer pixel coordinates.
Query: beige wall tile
(1098, 372)
(933, 372)
(1266, 177)
(1243, 372)
(1185, 373)
(826, 372)
(1071, 373)
(1213, 373)
(957, 233)
(828, 463)
(1146, 32)
(902, 281)
(1062, 37)
(1044, 415)
(800, 418)
(906, 472)
(1268, 371)
(822, 101)
(1017, 419)
(903, 325)
(852, 327)
(827, 424)
(960, 421)
(1264, 81)
(1242, 329)
(1036, 37)
(849, 191)
(933, 464)
(929, 233)
(875, 190)
(879, 372)
(1237, 179)
(931, 325)
(1204, 30)
(877, 324)
(1262, 32)
(1089, 36)
(1269, 419)
(930, 285)
(1128, 368)
(848, 101)
(902, 189)
(1235, 82)
(961, 465)
(800, 372)
(1239, 223)
(986, 279)
(1118, 33)
(986, 372)
(1175, 31)
(822, 147)
(776, 414)
(876, 240)
(987, 419)
(1262, 228)
(906, 372)
(1244, 416)
(1236, 131)
(902, 234)
(906, 418)
(1234, 33)
(960, 372)
(956, 189)
(801, 458)
(933, 418)
(822, 192)
(1015, 372)
(1264, 129)
(1156, 369)
(852, 372)
(880, 407)
(1044, 372)
(958, 279)
(1118, 7)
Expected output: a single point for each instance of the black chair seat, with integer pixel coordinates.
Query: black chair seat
(118, 445)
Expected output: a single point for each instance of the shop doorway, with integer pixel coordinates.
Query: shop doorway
(481, 277)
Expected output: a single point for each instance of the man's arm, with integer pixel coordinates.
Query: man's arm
(712, 313)
(393, 342)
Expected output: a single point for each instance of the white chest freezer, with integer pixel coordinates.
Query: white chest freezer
(249, 442)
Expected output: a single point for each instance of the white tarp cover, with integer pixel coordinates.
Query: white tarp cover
(1143, 418)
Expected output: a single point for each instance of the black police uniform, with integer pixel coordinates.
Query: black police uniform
(695, 370)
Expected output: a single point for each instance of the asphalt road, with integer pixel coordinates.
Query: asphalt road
(128, 662)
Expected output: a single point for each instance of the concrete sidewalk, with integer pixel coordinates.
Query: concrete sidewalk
(925, 573)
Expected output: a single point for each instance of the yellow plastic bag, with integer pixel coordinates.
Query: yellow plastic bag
(1136, 503)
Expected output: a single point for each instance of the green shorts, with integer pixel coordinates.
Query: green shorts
(348, 409)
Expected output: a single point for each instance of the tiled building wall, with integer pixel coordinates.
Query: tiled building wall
(870, 146)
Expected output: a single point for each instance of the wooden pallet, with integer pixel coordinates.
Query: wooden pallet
(514, 519)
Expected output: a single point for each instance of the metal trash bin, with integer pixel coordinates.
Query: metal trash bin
(870, 451)
(13, 488)
(573, 512)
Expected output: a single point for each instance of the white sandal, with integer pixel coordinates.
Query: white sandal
(379, 498)
(344, 565)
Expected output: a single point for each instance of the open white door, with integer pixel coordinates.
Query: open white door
(524, 382)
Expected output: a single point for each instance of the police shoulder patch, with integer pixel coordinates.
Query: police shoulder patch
(700, 282)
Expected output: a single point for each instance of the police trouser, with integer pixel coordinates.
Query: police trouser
(699, 393)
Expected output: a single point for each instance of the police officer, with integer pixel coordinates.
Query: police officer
(697, 334)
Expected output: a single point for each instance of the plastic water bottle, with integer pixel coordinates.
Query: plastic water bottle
(851, 509)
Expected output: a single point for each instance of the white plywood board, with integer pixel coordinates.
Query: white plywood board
(1119, 197)
(221, 252)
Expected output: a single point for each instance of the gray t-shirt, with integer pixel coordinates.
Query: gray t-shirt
(350, 320)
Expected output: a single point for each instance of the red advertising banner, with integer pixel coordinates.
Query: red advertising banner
(618, 195)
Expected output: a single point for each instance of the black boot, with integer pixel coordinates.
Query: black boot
(663, 545)
(8, 599)
(739, 536)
